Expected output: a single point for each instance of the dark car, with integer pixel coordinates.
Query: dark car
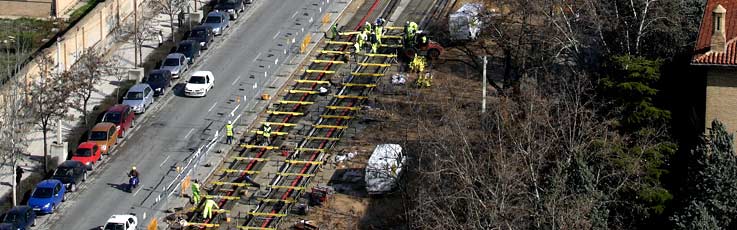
(20, 217)
(159, 80)
(190, 49)
(233, 7)
(71, 173)
(201, 34)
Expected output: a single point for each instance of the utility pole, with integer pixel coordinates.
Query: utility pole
(483, 88)
(135, 33)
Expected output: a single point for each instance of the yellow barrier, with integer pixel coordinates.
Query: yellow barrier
(320, 71)
(359, 85)
(305, 42)
(334, 52)
(353, 108)
(330, 126)
(339, 43)
(282, 123)
(154, 224)
(310, 150)
(260, 147)
(302, 91)
(304, 162)
(328, 61)
(285, 113)
(293, 102)
(272, 133)
(312, 81)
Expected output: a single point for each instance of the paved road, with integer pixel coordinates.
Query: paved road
(169, 133)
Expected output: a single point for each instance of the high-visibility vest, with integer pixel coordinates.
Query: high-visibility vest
(379, 31)
(229, 130)
(267, 131)
(195, 188)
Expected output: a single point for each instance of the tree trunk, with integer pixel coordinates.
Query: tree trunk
(15, 178)
(84, 107)
(46, 149)
(171, 23)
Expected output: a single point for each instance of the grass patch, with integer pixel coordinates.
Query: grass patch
(83, 10)
(19, 38)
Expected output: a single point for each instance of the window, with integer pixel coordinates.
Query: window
(57, 188)
(146, 91)
(134, 96)
(111, 132)
(83, 152)
(213, 19)
(98, 135)
(114, 117)
(171, 62)
(43, 192)
(198, 80)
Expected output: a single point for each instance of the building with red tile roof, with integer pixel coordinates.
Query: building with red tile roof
(716, 52)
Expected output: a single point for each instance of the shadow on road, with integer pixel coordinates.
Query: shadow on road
(122, 186)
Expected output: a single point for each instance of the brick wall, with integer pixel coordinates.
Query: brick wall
(721, 97)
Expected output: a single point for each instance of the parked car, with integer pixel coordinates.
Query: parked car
(122, 116)
(88, 153)
(218, 21)
(71, 173)
(199, 84)
(139, 97)
(47, 195)
(159, 80)
(176, 63)
(104, 135)
(233, 7)
(201, 34)
(190, 49)
(121, 222)
(20, 217)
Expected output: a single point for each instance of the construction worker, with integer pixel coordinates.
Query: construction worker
(334, 30)
(362, 38)
(195, 192)
(378, 30)
(423, 39)
(266, 132)
(374, 47)
(367, 27)
(207, 212)
(229, 132)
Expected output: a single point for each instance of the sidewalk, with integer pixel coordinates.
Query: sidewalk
(32, 160)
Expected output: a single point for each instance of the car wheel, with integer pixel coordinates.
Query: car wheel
(122, 133)
(84, 177)
(72, 188)
(92, 166)
(63, 197)
(143, 110)
(133, 122)
(33, 223)
(53, 207)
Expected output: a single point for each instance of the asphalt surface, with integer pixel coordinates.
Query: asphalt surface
(171, 131)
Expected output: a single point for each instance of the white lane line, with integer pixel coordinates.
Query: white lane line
(295, 14)
(139, 189)
(236, 80)
(236, 108)
(256, 58)
(211, 107)
(162, 163)
(190, 132)
(276, 35)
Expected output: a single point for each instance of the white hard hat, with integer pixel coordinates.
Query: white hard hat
(229, 122)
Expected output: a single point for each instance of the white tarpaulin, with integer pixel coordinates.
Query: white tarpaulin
(383, 168)
(465, 24)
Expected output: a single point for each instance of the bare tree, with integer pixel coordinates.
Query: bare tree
(49, 92)
(142, 30)
(88, 72)
(170, 8)
(13, 120)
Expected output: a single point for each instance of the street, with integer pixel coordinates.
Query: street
(242, 61)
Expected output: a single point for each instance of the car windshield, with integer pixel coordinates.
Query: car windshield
(98, 136)
(197, 80)
(199, 33)
(155, 77)
(114, 226)
(134, 96)
(213, 19)
(11, 217)
(83, 152)
(64, 172)
(43, 192)
(171, 62)
(184, 48)
(226, 5)
(113, 117)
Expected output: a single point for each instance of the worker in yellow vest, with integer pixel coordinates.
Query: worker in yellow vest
(229, 132)
(195, 193)
(362, 38)
(209, 205)
(378, 32)
(266, 132)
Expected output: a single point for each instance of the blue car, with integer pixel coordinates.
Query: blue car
(20, 217)
(47, 195)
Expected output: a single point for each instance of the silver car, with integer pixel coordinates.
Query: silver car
(218, 21)
(176, 63)
(139, 97)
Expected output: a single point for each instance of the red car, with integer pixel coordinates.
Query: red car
(88, 153)
(122, 116)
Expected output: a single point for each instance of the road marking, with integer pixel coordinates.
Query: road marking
(255, 85)
(256, 58)
(236, 108)
(236, 118)
(276, 35)
(139, 189)
(236, 80)
(162, 163)
(295, 14)
(190, 132)
(211, 107)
